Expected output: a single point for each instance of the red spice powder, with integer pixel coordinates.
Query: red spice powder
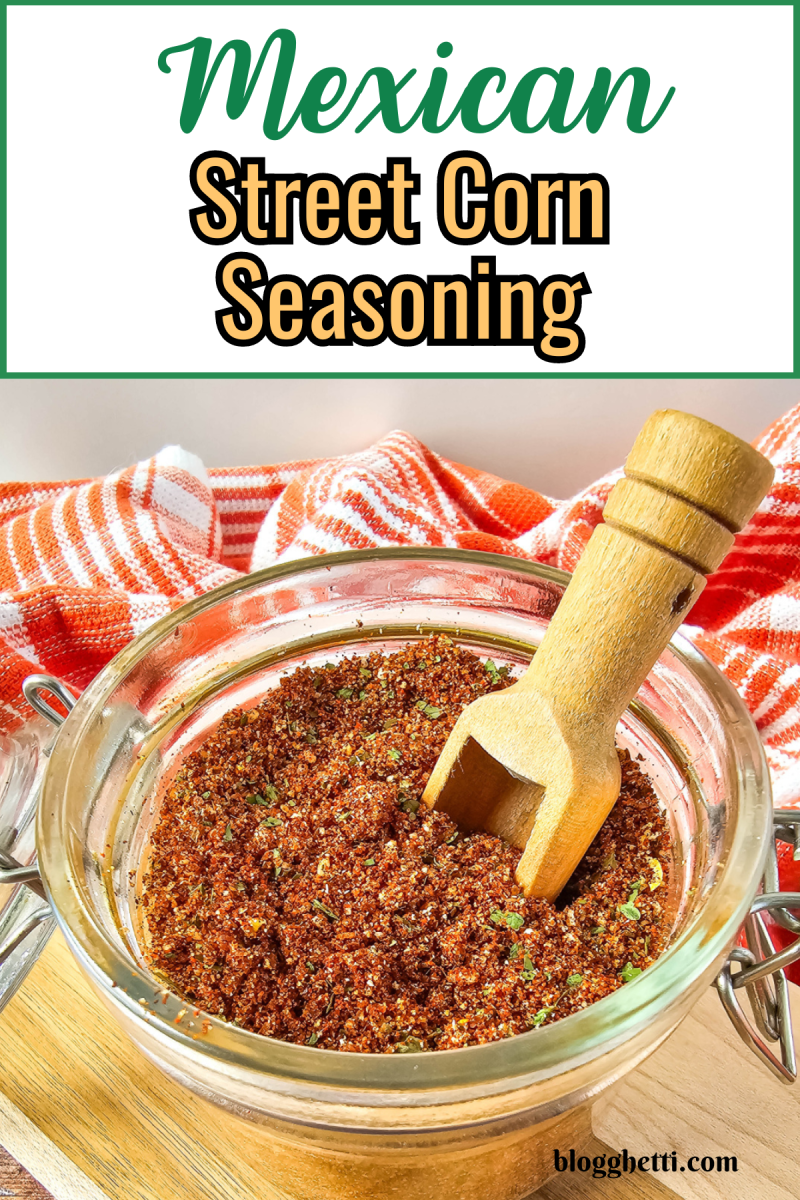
(297, 888)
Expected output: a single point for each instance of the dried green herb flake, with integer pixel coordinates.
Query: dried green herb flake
(411, 1045)
(511, 919)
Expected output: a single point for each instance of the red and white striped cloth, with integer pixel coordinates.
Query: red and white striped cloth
(86, 565)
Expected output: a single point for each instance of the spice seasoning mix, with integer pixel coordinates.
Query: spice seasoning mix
(297, 888)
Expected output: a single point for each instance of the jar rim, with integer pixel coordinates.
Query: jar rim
(582, 1036)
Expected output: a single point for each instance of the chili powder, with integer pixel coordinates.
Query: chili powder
(297, 888)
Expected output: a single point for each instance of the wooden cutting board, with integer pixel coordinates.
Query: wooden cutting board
(92, 1120)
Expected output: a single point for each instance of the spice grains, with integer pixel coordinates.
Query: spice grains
(297, 888)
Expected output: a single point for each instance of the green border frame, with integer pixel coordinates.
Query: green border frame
(553, 374)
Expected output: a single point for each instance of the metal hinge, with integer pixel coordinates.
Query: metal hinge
(761, 968)
(26, 920)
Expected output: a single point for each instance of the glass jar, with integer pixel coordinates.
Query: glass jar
(475, 1121)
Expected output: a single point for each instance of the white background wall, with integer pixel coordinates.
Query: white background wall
(555, 435)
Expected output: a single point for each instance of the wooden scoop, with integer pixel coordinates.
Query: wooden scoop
(536, 764)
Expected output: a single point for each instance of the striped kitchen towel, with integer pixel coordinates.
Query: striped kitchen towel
(85, 565)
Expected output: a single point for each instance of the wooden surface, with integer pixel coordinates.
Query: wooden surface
(91, 1120)
(703, 1092)
(536, 764)
(16, 1181)
(26, 1143)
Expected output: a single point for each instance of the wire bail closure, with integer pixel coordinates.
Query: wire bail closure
(29, 916)
(762, 968)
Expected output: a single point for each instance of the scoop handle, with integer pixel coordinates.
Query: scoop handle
(688, 488)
